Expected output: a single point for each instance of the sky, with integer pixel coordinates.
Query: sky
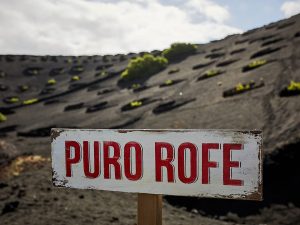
(93, 27)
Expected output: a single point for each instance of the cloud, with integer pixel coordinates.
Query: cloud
(209, 10)
(291, 8)
(74, 27)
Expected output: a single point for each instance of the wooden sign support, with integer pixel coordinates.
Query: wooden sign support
(149, 209)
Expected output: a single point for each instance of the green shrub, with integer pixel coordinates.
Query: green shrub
(242, 87)
(51, 82)
(135, 86)
(168, 82)
(254, 64)
(101, 74)
(257, 63)
(136, 103)
(23, 88)
(77, 69)
(30, 101)
(75, 78)
(144, 66)
(3, 118)
(211, 73)
(294, 86)
(13, 100)
(179, 51)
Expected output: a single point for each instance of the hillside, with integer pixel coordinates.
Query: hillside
(247, 90)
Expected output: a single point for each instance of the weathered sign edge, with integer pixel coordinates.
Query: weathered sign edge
(255, 196)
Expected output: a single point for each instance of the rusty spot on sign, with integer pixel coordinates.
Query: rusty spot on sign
(55, 133)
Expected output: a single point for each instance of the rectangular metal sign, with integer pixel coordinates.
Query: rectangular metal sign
(204, 163)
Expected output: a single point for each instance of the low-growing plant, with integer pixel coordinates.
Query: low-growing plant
(168, 82)
(136, 103)
(102, 74)
(144, 66)
(75, 78)
(3, 118)
(51, 82)
(135, 86)
(176, 70)
(77, 69)
(291, 90)
(33, 72)
(254, 64)
(257, 63)
(11, 100)
(211, 73)
(179, 51)
(30, 101)
(242, 87)
(23, 88)
(294, 86)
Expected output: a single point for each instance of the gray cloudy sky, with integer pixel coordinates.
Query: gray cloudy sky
(75, 27)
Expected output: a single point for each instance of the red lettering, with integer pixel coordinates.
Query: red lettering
(128, 159)
(206, 164)
(114, 161)
(86, 160)
(182, 163)
(228, 164)
(69, 161)
(159, 162)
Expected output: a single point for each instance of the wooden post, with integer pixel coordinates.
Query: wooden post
(149, 209)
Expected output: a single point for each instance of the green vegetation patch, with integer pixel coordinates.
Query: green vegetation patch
(176, 70)
(75, 78)
(76, 70)
(242, 87)
(211, 73)
(168, 82)
(254, 64)
(178, 51)
(144, 66)
(257, 63)
(101, 74)
(3, 118)
(136, 103)
(32, 71)
(30, 101)
(51, 82)
(11, 100)
(135, 86)
(23, 88)
(294, 86)
(292, 89)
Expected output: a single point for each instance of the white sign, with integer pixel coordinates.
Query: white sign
(204, 163)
